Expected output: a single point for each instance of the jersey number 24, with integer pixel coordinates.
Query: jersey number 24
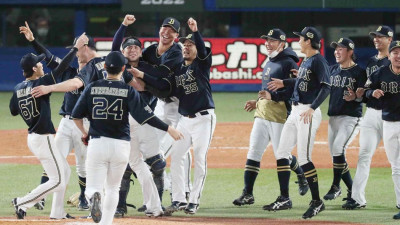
(102, 110)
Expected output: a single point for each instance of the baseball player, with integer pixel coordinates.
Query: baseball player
(271, 113)
(143, 137)
(36, 114)
(384, 85)
(345, 112)
(371, 127)
(68, 136)
(106, 102)
(311, 87)
(192, 87)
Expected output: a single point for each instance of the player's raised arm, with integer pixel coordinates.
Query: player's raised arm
(119, 35)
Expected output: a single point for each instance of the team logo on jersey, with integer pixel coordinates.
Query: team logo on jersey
(171, 21)
(310, 35)
(270, 32)
(266, 74)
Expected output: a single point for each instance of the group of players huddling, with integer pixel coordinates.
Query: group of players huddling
(109, 104)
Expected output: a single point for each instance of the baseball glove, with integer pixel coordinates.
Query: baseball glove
(74, 199)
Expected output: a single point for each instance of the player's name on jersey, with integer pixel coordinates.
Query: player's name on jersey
(23, 92)
(109, 91)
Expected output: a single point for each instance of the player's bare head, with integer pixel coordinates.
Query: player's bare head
(382, 37)
(132, 49)
(310, 38)
(169, 30)
(394, 54)
(115, 63)
(275, 41)
(31, 65)
(189, 50)
(344, 50)
(85, 54)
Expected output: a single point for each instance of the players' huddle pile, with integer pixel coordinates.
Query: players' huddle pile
(109, 103)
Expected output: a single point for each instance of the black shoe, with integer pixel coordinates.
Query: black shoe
(333, 193)
(303, 184)
(120, 212)
(67, 216)
(83, 204)
(142, 209)
(316, 206)
(244, 199)
(397, 216)
(154, 214)
(191, 208)
(95, 210)
(18, 211)
(40, 205)
(175, 206)
(352, 204)
(281, 203)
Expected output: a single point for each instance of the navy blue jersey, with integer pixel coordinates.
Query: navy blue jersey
(171, 59)
(313, 72)
(36, 112)
(372, 66)
(107, 104)
(341, 79)
(71, 97)
(389, 82)
(94, 70)
(279, 67)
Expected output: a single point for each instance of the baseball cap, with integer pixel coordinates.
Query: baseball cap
(90, 43)
(275, 34)
(384, 31)
(393, 45)
(131, 41)
(30, 60)
(190, 37)
(345, 43)
(311, 33)
(172, 22)
(115, 59)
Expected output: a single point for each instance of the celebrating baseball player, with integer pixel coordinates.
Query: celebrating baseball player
(68, 136)
(106, 102)
(192, 87)
(384, 85)
(345, 112)
(310, 89)
(371, 127)
(272, 109)
(36, 114)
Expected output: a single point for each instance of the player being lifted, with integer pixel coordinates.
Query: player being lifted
(106, 103)
(191, 85)
(36, 114)
(272, 109)
(345, 112)
(311, 87)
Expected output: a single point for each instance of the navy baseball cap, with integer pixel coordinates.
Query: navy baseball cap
(131, 41)
(393, 45)
(90, 43)
(345, 43)
(311, 33)
(115, 59)
(382, 31)
(172, 22)
(30, 60)
(275, 34)
(190, 37)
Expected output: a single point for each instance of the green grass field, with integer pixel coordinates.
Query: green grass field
(222, 185)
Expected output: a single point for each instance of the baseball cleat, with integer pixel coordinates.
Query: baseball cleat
(142, 209)
(281, 203)
(18, 211)
(40, 205)
(175, 206)
(95, 210)
(303, 184)
(67, 216)
(397, 216)
(154, 214)
(316, 206)
(352, 204)
(333, 193)
(83, 204)
(244, 199)
(119, 213)
(191, 208)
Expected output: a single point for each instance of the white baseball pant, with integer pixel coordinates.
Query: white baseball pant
(341, 132)
(391, 140)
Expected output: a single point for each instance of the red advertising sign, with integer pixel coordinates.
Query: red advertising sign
(235, 60)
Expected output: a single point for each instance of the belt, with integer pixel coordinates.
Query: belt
(67, 117)
(201, 113)
(94, 137)
(295, 103)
